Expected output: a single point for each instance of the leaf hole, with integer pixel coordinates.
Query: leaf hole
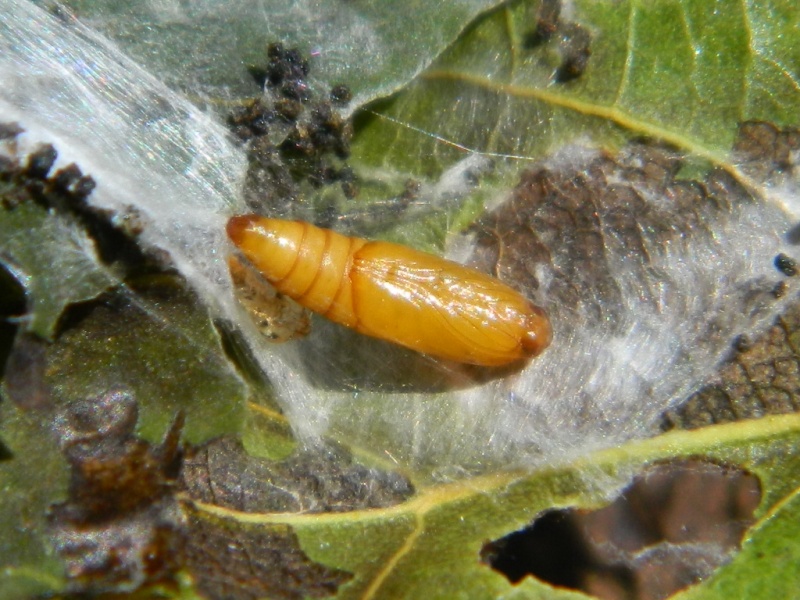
(669, 529)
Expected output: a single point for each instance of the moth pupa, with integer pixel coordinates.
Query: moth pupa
(393, 292)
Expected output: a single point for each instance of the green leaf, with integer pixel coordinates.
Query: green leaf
(158, 345)
(429, 547)
(683, 73)
(34, 477)
(156, 341)
(53, 259)
(355, 43)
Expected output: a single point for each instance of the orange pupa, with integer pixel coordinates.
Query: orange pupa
(394, 292)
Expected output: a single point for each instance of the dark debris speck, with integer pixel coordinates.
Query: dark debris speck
(786, 265)
(293, 138)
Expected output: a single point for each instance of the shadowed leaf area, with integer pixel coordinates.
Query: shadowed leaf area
(762, 377)
(231, 560)
(222, 473)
